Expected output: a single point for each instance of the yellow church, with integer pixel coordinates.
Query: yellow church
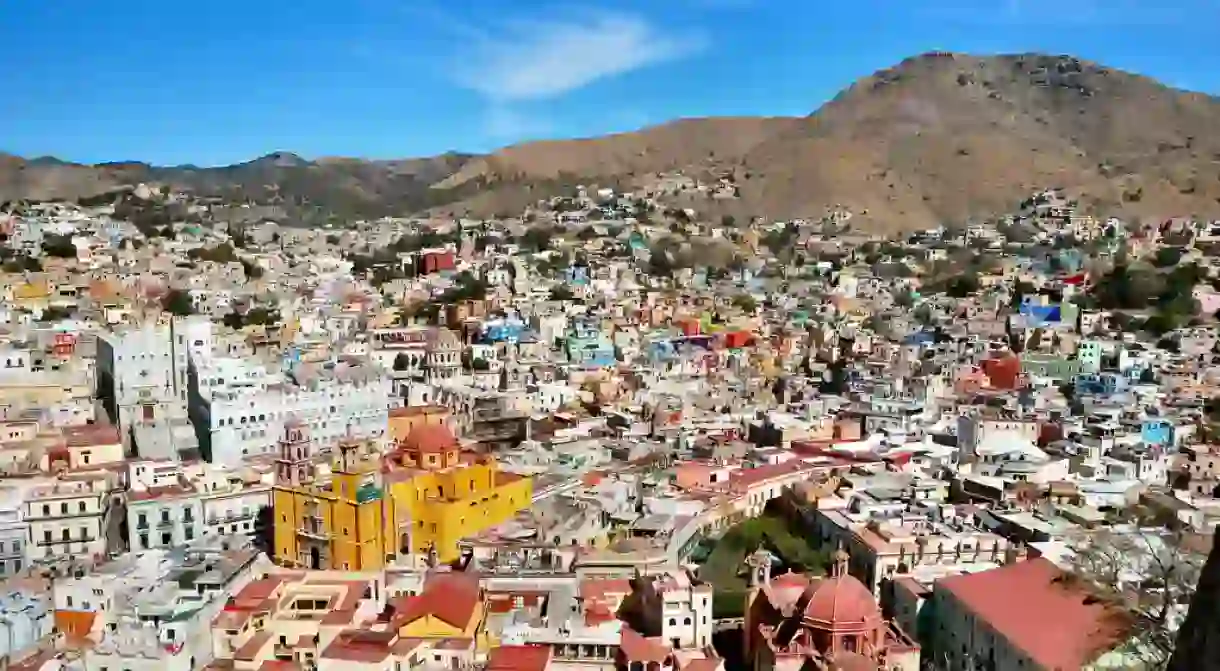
(436, 497)
(443, 495)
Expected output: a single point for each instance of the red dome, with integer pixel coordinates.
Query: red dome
(430, 438)
(842, 602)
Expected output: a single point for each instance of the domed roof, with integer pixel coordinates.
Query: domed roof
(430, 438)
(447, 339)
(842, 601)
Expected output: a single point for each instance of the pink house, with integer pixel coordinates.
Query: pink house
(702, 475)
(1209, 299)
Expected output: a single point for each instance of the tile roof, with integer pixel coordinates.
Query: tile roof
(449, 597)
(519, 658)
(1030, 604)
(636, 648)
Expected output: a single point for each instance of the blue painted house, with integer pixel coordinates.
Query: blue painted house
(1102, 384)
(502, 330)
(586, 345)
(1157, 431)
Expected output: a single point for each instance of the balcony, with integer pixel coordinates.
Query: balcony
(316, 533)
(89, 538)
(231, 517)
(165, 523)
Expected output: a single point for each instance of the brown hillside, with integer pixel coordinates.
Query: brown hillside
(947, 137)
(678, 144)
(939, 137)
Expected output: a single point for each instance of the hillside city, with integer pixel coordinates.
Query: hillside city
(605, 433)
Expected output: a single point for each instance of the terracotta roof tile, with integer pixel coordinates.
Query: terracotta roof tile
(637, 648)
(519, 658)
(1032, 606)
(449, 597)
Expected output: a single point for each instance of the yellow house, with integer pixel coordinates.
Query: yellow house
(344, 524)
(441, 498)
(32, 295)
(449, 607)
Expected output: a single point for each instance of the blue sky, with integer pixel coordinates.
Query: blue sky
(228, 80)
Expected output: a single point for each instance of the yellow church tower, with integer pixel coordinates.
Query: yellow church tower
(346, 523)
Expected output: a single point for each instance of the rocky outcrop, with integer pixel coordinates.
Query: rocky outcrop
(1198, 644)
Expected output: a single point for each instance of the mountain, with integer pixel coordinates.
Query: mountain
(944, 137)
(939, 137)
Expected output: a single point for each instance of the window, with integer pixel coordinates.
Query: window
(673, 622)
(63, 509)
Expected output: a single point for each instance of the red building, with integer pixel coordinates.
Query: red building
(735, 339)
(436, 261)
(799, 622)
(1004, 372)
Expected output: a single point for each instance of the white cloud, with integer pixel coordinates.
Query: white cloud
(526, 60)
(504, 124)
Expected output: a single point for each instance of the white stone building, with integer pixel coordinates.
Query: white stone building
(139, 374)
(240, 407)
(69, 519)
(171, 504)
(686, 611)
(14, 532)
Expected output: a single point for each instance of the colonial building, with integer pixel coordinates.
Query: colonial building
(240, 408)
(69, 519)
(445, 497)
(339, 519)
(800, 622)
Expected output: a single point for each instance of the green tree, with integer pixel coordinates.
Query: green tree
(963, 285)
(178, 303)
(55, 313)
(1163, 322)
(1167, 256)
(745, 303)
(222, 253)
(59, 246)
(1124, 288)
(537, 238)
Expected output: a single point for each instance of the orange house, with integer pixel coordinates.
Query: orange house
(405, 420)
